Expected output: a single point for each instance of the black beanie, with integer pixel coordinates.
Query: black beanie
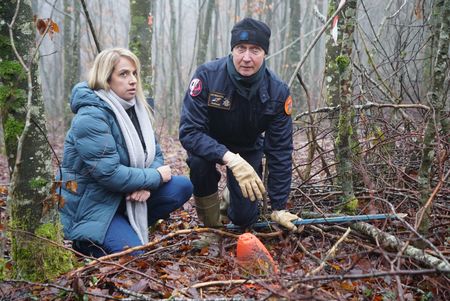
(251, 31)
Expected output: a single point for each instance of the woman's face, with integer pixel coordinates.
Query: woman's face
(124, 79)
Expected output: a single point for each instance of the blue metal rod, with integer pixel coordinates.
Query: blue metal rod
(325, 220)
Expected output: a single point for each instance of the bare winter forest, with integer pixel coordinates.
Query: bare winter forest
(370, 83)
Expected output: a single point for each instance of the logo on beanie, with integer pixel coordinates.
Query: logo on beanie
(195, 87)
(243, 36)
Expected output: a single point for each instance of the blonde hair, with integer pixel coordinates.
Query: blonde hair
(104, 64)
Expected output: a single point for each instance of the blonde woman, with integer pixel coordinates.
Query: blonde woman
(110, 152)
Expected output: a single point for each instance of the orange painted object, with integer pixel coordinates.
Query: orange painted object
(253, 255)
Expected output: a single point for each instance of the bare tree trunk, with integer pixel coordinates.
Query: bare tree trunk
(215, 33)
(237, 11)
(71, 49)
(249, 10)
(269, 12)
(172, 93)
(293, 55)
(32, 211)
(204, 36)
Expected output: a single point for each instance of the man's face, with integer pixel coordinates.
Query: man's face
(247, 58)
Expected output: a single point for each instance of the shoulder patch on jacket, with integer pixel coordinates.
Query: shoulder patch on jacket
(288, 105)
(195, 87)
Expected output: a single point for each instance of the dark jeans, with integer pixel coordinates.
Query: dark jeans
(120, 235)
(205, 178)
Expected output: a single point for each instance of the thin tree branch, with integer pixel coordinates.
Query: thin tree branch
(366, 106)
(421, 213)
(91, 26)
(62, 288)
(330, 253)
(326, 277)
(154, 242)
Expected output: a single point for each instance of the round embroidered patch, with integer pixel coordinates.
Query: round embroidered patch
(288, 105)
(195, 87)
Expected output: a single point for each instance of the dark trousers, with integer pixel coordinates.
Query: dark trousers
(120, 235)
(205, 178)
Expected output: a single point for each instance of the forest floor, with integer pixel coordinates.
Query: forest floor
(320, 263)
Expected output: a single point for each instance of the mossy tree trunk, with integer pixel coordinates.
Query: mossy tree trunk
(141, 32)
(29, 211)
(331, 76)
(437, 97)
(13, 87)
(339, 84)
(333, 50)
(434, 24)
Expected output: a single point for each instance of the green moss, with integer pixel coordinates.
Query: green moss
(350, 206)
(344, 128)
(342, 62)
(5, 93)
(331, 8)
(37, 259)
(3, 269)
(38, 182)
(11, 97)
(5, 45)
(11, 74)
(11, 69)
(139, 20)
(135, 46)
(13, 128)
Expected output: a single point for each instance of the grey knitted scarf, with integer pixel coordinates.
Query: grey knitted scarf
(136, 211)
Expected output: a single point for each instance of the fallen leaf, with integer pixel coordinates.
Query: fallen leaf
(41, 25)
(72, 186)
(3, 189)
(348, 286)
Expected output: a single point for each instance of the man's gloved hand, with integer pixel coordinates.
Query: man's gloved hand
(251, 185)
(284, 218)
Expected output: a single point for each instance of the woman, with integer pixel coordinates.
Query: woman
(110, 153)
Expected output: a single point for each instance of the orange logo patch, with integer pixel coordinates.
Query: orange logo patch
(288, 105)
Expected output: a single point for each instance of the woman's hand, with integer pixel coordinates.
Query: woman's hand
(139, 196)
(165, 172)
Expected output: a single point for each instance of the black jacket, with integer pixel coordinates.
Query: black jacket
(215, 118)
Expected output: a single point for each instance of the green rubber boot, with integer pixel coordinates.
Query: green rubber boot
(224, 204)
(208, 212)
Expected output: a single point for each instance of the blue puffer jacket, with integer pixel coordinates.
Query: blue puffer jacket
(96, 159)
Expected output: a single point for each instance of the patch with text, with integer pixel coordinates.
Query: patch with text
(219, 101)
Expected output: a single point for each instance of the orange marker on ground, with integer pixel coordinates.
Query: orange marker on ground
(253, 255)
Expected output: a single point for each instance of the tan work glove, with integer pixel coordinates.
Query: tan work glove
(251, 185)
(285, 219)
